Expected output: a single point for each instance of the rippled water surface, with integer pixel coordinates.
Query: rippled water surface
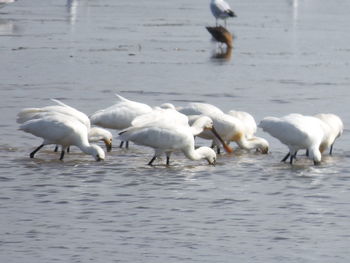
(288, 56)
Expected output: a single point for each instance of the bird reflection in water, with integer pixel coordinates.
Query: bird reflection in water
(224, 38)
(72, 9)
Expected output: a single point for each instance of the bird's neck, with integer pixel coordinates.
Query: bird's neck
(85, 146)
(195, 130)
(315, 154)
(194, 154)
(251, 143)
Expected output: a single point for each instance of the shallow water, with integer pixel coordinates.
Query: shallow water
(288, 56)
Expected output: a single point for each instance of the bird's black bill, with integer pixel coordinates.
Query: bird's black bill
(226, 147)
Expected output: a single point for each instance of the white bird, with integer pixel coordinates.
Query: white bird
(335, 130)
(229, 128)
(172, 117)
(64, 130)
(99, 134)
(250, 128)
(62, 108)
(30, 113)
(247, 119)
(297, 132)
(167, 131)
(120, 115)
(221, 10)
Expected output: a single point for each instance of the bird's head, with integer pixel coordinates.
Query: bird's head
(97, 152)
(108, 143)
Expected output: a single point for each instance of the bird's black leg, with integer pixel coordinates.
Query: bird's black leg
(307, 152)
(68, 149)
(331, 149)
(62, 155)
(127, 144)
(291, 158)
(285, 157)
(121, 144)
(56, 149)
(36, 150)
(295, 155)
(152, 160)
(168, 159)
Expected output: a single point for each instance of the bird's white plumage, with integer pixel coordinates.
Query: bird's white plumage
(32, 113)
(297, 132)
(99, 134)
(335, 130)
(230, 128)
(221, 9)
(197, 108)
(248, 121)
(120, 115)
(161, 116)
(62, 108)
(166, 131)
(61, 129)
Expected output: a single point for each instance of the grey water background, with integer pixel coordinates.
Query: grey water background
(288, 56)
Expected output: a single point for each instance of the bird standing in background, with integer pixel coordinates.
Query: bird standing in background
(221, 10)
(221, 34)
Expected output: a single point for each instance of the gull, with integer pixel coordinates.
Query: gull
(221, 10)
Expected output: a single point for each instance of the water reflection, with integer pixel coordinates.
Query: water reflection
(72, 7)
(222, 53)
(7, 27)
(295, 9)
(225, 39)
(295, 6)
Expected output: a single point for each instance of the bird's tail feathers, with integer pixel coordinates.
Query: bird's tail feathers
(231, 13)
(28, 114)
(59, 102)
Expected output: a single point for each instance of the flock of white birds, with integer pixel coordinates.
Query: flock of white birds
(168, 128)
